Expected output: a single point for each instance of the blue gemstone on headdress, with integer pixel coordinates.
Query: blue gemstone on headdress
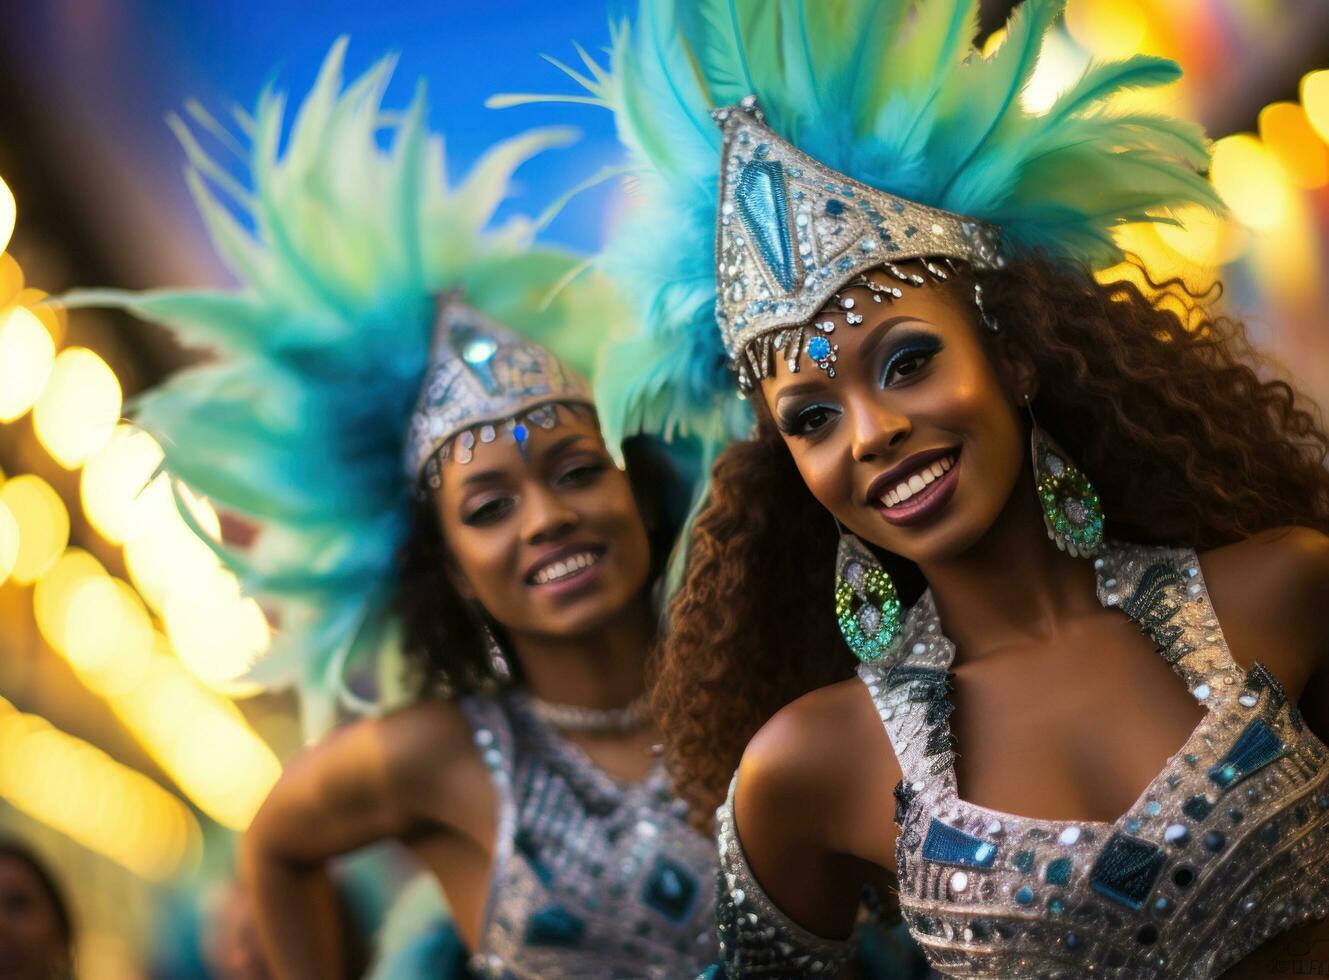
(478, 350)
(1126, 870)
(670, 889)
(520, 432)
(764, 208)
(945, 844)
(1256, 747)
(819, 348)
(834, 207)
(1058, 871)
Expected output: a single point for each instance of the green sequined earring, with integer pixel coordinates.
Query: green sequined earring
(867, 607)
(1071, 508)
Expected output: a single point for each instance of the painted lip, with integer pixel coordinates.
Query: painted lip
(887, 481)
(573, 581)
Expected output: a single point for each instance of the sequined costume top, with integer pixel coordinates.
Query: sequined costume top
(591, 878)
(1228, 846)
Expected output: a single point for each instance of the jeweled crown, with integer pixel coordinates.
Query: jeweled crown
(482, 377)
(792, 231)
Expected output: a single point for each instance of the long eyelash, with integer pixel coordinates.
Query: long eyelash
(922, 348)
(789, 424)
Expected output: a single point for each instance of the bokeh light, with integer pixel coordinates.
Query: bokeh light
(112, 480)
(1110, 29)
(43, 525)
(217, 633)
(1289, 136)
(104, 805)
(1315, 100)
(27, 355)
(103, 617)
(11, 279)
(8, 541)
(8, 214)
(52, 594)
(161, 551)
(1250, 181)
(76, 414)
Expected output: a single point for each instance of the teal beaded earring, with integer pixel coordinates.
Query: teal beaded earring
(867, 606)
(1072, 511)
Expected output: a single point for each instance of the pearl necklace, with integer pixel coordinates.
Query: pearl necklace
(578, 718)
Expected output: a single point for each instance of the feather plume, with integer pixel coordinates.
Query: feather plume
(339, 241)
(888, 92)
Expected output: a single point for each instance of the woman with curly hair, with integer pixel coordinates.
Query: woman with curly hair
(1074, 541)
(420, 467)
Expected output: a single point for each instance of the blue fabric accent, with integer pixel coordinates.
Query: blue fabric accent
(1126, 870)
(1254, 749)
(947, 845)
(554, 925)
(764, 207)
(670, 889)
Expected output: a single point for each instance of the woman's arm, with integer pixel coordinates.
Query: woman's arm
(813, 807)
(374, 780)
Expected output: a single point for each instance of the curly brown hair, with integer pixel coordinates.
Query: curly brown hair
(1162, 404)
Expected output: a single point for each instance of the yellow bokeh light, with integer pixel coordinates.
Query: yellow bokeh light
(162, 553)
(104, 617)
(1110, 29)
(8, 214)
(11, 279)
(1060, 65)
(1250, 180)
(1289, 136)
(202, 741)
(112, 480)
(1315, 100)
(82, 792)
(1202, 237)
(8, 541)
(216, 632)
(43, 525)
(27, 354)
(76, 414)
(52, 594)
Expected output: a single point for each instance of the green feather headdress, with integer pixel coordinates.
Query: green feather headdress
(340, 243)
(889, 94)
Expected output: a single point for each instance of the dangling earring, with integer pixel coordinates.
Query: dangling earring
(1072, 511)
(867, 606)
(498, 660)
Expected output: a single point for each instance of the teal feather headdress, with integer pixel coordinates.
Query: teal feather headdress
(889, 94)
(340, 244)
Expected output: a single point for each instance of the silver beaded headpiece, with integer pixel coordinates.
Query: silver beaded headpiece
(794, 232)
(483, 380)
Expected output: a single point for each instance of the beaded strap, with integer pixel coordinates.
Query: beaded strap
(756, 938)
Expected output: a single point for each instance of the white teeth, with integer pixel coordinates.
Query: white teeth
(917, 481)
(562, 569)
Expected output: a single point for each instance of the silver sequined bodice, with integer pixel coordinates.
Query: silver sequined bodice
(591, 879)
(1228, 846)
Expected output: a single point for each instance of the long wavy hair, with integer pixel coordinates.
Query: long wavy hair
(442, 633)
(1165, 406)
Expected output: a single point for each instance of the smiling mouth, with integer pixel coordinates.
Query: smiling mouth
(916, 484)
(567, 567)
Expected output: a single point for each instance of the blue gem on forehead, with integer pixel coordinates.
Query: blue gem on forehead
(819, 348)
(521, 433)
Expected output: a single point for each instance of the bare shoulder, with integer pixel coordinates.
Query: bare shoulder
(830, 747)
(1270, 592)
(430, 760)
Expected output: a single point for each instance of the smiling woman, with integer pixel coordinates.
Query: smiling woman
(381, 367)
(1049, 492)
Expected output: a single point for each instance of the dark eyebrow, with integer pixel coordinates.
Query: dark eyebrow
(880, 331)
(563, 444)
(482, 477)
